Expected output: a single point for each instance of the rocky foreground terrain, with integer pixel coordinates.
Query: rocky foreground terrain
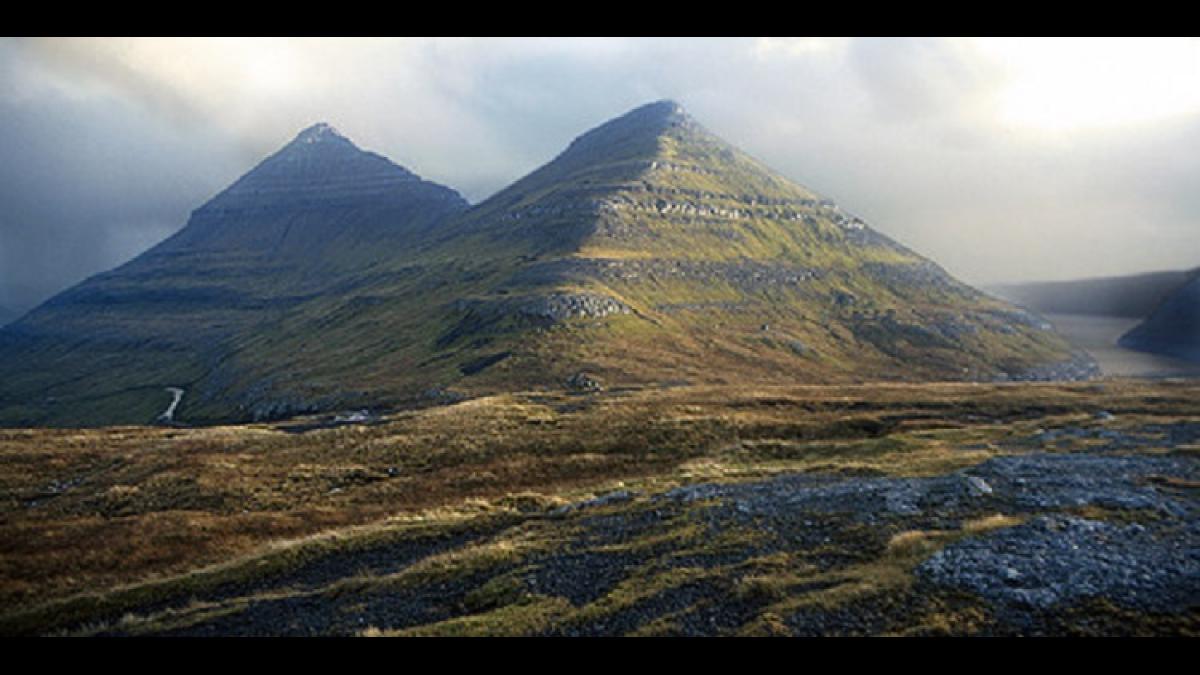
(1026, 509)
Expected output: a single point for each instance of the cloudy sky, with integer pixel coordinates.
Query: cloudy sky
(1000, 159)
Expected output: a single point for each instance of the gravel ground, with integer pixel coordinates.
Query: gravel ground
(1056, 559)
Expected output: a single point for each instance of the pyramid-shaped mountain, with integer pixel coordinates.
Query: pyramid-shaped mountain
(314, 218)
(1173, 328)
(319, 202)
(649, 252)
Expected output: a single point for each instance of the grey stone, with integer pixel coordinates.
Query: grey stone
(978, 486)
(583, 382)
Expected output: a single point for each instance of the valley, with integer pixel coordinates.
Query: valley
(1145, 325)
(1099, 336)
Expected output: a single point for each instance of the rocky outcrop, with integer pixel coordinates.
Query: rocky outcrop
(1000, 543)
(1056, 560)
(746, 274)
(563, 306)
(478, 317)
(583, 382)
(1080, 367)
(924, 276)
(553, 307)
(708, 306)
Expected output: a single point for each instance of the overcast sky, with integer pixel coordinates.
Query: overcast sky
(1000, 159)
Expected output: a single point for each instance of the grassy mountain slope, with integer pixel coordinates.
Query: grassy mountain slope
(312, 219)
(648, 252)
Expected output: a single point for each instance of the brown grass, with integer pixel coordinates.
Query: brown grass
(93, 509)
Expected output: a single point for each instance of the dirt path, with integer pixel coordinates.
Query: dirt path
(168, 415)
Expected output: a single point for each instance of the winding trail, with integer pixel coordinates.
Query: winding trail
(168, 415)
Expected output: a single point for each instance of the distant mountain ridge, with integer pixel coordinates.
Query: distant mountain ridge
(1133, 296)
(650, 251)
(1173, 328)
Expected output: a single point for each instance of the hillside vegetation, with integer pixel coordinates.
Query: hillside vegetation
(898, 508)
(649, 252)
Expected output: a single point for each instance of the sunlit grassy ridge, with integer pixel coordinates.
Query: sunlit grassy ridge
(648, 251)
(731, 273)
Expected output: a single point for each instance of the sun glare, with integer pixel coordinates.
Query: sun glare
(1086, 83)
(270, 70)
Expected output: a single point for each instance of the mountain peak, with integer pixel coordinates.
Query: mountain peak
(637, 134)
(648, 121)
(663, 110)
(321, 167)
(649, 251)
(319, 132)
(657, 146)
(321, 138)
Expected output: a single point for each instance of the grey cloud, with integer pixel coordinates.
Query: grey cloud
(79, 59)
(900, 131)
(85, 187)
(921, 79)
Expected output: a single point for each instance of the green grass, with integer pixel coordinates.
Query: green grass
(371, 333)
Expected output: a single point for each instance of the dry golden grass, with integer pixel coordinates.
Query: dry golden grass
(89, 510)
